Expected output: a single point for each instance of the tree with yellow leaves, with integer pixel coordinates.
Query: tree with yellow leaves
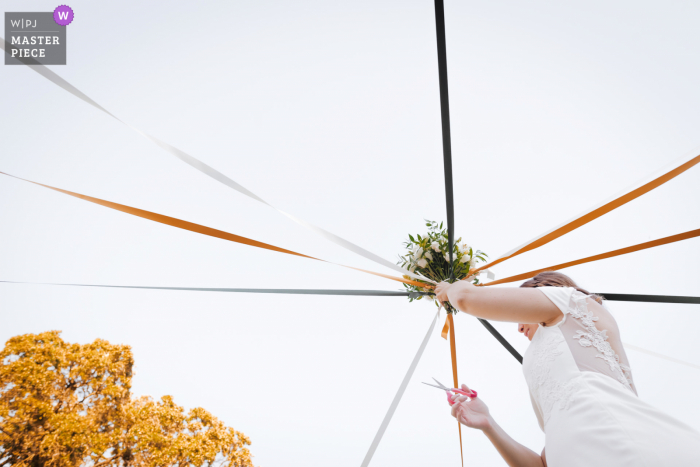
(70, 405)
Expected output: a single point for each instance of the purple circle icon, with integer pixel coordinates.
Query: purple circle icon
(63, 15)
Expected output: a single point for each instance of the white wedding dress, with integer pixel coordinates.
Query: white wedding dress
(585, 400)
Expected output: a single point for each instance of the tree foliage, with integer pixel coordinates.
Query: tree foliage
(66, 405)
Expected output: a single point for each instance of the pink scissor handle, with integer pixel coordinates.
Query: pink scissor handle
(450, 399)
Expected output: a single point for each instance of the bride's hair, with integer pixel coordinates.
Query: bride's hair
(557, 279)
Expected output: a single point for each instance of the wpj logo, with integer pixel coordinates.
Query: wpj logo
(22, 23)
(37, 37)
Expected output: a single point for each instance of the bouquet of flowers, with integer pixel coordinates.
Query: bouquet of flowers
(429, 256)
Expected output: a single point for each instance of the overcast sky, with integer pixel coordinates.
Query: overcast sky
(330, 111)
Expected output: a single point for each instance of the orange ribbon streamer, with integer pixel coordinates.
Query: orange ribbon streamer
(594, 214)
(450, 326)
(201, 229)
(445, 328)
(453, 353)
(609, 254)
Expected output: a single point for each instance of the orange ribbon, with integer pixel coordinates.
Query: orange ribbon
(445, 328)
(595, 213)
(453, 353)
(450, 326)
(201, 229)
(609, 254)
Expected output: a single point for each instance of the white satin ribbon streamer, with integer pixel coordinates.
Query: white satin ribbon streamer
(399, 394)
(213, 173)
(361, 293)
(489, 274)
(670, 359)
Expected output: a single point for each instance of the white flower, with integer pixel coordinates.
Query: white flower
(435, 246)
(429, 255)
(464, 259)
(422, 262)
(447, 257)
(412, 268)
(418, 253)
(472, 262)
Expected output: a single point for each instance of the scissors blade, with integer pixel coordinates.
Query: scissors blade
(439, 387)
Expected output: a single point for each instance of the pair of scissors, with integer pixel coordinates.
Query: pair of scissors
(450, 397)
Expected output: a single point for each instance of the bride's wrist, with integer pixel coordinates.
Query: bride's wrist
(489, 427)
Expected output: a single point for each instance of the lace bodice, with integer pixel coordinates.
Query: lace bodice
(586, 339)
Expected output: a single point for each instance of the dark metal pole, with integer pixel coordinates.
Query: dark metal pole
(447, 155)
(445, 112)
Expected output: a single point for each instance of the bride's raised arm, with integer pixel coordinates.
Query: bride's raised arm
(517, 305)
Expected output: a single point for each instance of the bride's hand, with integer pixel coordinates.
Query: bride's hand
(472, 413)
(461, 286)
(441, 291)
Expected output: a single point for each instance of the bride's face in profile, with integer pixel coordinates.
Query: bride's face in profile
(528, 329)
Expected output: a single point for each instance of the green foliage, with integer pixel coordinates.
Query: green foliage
(428, 255)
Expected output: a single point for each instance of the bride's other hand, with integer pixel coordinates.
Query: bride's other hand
(472, 413)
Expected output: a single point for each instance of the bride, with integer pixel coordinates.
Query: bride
(579, 378)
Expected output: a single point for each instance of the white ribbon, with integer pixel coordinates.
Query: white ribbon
(371, 293)
(212, 172)
(399, 394)
(490, 275)
(670, 359)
